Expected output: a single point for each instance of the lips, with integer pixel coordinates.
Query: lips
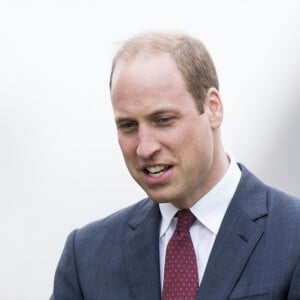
(157, 170)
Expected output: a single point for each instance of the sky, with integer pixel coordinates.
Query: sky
(60, 164)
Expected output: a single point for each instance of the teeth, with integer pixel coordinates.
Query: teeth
(155, 169)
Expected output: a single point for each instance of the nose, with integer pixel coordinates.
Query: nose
(147, 145)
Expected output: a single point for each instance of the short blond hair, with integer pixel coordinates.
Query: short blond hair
(190, 55)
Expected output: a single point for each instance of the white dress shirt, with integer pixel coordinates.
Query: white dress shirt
(209, 212)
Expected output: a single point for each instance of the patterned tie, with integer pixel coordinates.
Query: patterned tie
(181, 275)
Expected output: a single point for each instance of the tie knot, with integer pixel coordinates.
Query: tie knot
(185, 219)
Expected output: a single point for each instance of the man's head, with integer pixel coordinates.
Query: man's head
(190, 55)
(169, 139)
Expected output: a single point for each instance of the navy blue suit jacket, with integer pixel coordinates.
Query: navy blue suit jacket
(256, 254)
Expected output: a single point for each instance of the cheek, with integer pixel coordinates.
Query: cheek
(198, 142)
(127, 147)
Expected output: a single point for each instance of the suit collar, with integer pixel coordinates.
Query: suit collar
(250, 195)
(240, 231)
(144, 208)
(142, 252)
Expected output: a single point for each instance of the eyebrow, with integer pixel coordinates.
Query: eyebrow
(122, 119)
(164, 111)
(148, 116)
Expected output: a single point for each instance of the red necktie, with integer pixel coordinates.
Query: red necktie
(181, 274)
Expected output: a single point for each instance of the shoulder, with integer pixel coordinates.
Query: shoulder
(282, 199)
(284, 209)
(114, 225)
(279, 204)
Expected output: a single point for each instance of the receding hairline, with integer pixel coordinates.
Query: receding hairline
(153, 43)
(190, 55)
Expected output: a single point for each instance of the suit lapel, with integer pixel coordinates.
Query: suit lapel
(241, 230)
(142, 252)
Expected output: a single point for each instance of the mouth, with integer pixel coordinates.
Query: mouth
(156, 171)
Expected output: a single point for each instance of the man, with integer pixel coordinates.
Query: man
(243, 241)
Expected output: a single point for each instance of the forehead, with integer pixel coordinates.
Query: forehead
(146, 72)
(147, 84)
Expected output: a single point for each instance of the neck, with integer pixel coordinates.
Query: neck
(218, 169)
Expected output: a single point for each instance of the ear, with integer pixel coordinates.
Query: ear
(214, 107)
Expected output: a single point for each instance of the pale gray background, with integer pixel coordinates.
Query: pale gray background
(60, 166)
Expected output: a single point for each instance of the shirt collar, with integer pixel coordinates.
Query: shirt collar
(211, 209)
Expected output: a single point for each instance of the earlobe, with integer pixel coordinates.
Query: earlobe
(215, 107)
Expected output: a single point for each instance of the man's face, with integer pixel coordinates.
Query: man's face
(168, 146)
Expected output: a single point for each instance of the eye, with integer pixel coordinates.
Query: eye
(165, 120)
(127, 126)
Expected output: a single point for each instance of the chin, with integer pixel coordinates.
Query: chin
(160, 198)
(161, 194)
